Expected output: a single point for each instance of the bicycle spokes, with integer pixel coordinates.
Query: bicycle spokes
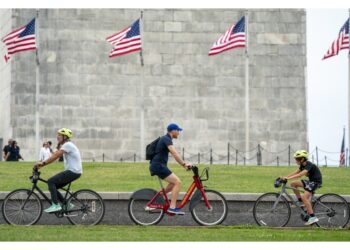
(332, 211)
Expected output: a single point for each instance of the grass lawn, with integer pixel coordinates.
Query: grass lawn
(161, 233)
(133, 176)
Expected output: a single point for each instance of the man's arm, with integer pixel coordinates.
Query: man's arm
(177, 157)
(7, 156)
(296, 175)
(53, 157)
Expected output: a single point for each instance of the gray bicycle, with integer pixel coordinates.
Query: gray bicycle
(274, 209)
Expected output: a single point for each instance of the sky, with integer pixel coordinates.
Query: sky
(327, 84)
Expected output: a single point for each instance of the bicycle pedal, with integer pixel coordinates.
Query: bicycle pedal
(154, 211)
(70, 215)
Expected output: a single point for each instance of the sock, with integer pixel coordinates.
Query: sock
(300, 200)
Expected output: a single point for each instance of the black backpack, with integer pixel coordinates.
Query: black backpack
(151, 149)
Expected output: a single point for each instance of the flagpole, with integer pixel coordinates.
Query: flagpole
(37, 88)
(142, 108)
(246, 89)
(343, 165)
(349, 85)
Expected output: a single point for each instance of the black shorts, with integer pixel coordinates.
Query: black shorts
(160, 170)
(311, 186)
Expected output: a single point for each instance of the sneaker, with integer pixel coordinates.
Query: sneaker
(298, 204)
(175, 211)
(53, 208)
(312, 220)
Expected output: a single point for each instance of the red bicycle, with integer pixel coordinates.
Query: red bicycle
(208, 207)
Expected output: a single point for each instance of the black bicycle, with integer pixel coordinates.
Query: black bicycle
(24, 207)
(274, 209)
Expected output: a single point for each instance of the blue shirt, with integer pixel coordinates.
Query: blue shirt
(162, 151)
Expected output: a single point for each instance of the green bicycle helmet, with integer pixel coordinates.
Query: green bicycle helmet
(301, 154)
(65, 131)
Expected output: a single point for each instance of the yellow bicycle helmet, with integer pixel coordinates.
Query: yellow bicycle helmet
(65, 131)
(301, 154)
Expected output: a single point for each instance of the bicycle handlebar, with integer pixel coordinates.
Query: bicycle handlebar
(205, 172)
(35, 176)
(194, 170)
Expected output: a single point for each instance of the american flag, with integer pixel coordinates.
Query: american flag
(21, 39)
(233, 38)
(126, 41)
(342, 152)
(342, 42)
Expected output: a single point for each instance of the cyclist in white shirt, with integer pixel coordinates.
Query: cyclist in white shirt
(72, 168)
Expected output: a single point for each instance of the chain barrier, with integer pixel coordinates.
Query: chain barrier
(257, 156)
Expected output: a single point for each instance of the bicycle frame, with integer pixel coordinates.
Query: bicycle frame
(35, 178)
(290, 199)
(196, 184)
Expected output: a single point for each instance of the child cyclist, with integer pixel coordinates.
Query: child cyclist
(306, 168)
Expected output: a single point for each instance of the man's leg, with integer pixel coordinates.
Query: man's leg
(169, 187)
(297, 184)
(306, 199)
(175, 181)
(52, 182)
(58, 181)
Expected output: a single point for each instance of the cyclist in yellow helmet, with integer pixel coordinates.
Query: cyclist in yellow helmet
(306, 168)
(72, 168)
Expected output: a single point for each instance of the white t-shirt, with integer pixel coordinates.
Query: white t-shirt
(44, 154)
(72, 159)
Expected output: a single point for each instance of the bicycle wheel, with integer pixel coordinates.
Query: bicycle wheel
(86, 208)
(268, 211)
(213, 216)
(332, 210)
(142, 216)
(22, 207)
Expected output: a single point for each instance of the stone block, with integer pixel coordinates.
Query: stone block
(275, 38)
(183, 15)
(172, 26)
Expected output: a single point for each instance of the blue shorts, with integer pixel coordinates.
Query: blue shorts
(161, 170)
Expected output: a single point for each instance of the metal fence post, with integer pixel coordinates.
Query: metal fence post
(134, 157)
(236, 157)
(183, 154)
(244, 160)
(228, 153)
(317, 155)
(211, 156)
(289, 155)
(103, 157)
(258, 156)
(325, 159)
(278, 161)
(346, 157)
